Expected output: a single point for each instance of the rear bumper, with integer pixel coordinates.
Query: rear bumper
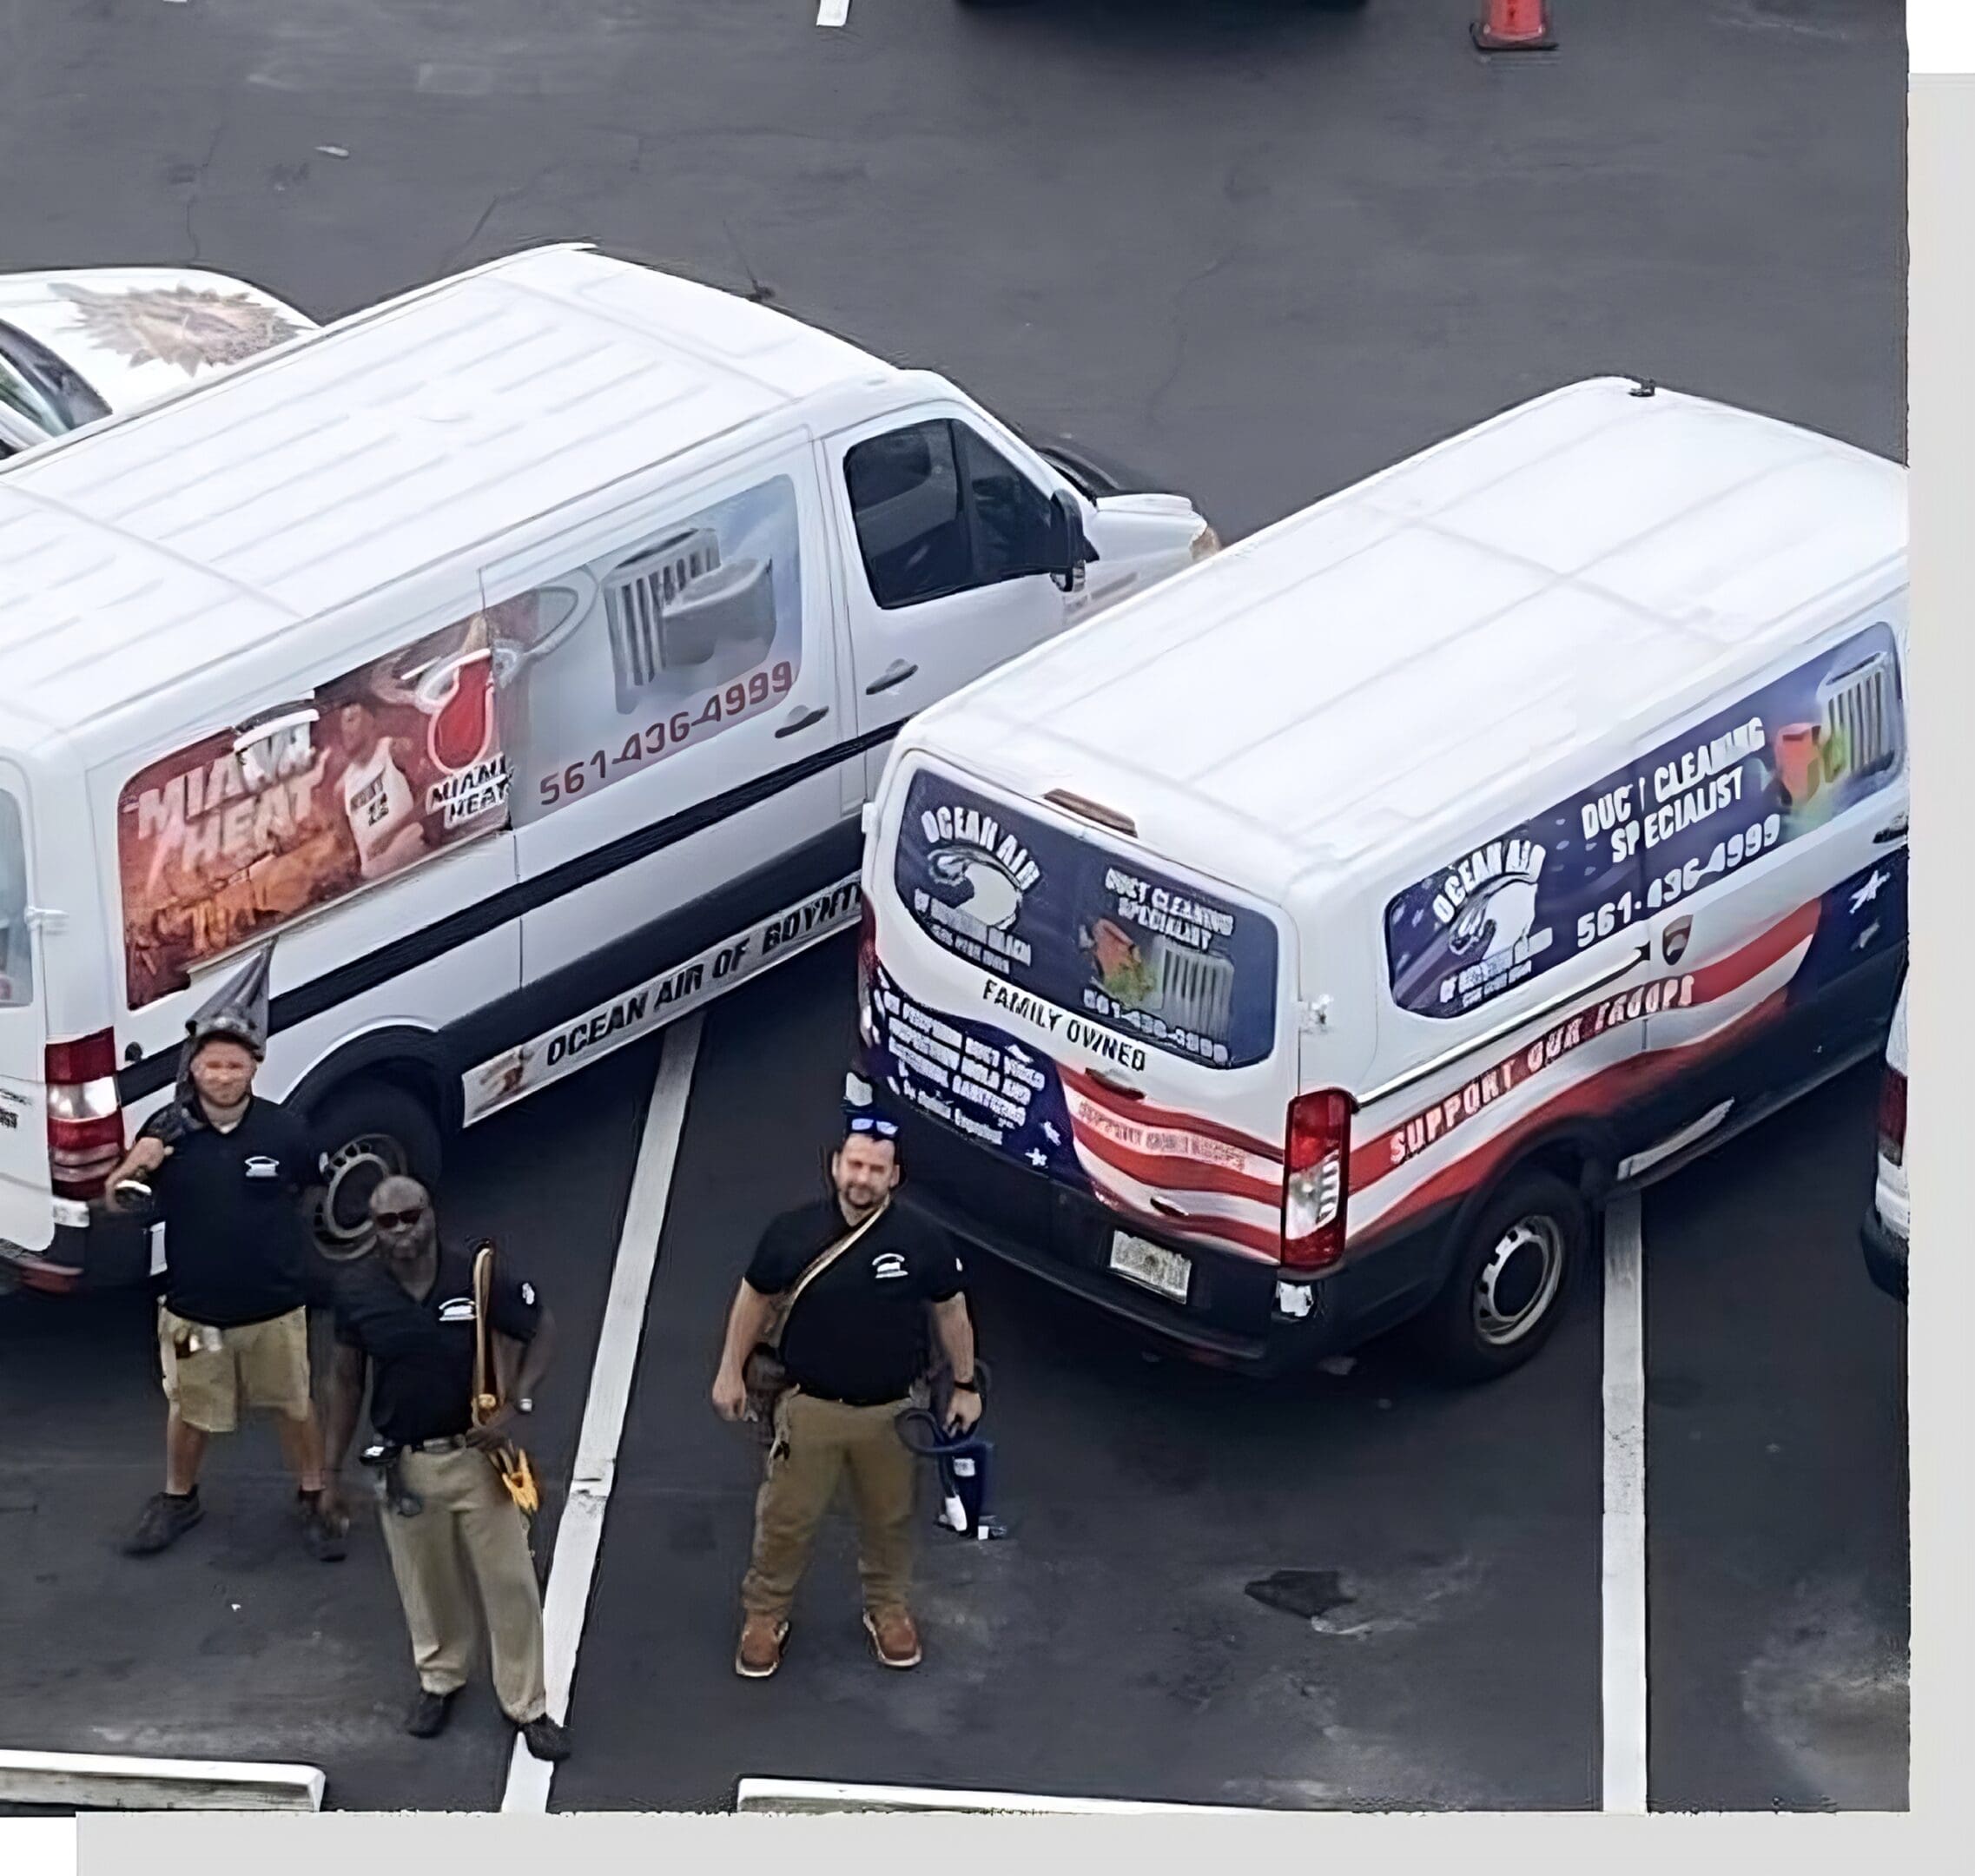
(1886, 1255)
(1235, 1315)
(106, 1254)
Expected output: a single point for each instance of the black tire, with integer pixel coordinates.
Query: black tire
(1510, 1280)
(369, 1130)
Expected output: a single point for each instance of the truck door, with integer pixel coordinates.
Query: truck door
(27, 1217)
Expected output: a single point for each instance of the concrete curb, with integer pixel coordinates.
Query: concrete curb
(104, 1781)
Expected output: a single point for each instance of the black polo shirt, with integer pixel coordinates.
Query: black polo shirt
(421, 1349)
(236, 1244)
(858, 1332)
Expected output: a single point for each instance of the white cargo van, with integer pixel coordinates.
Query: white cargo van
(1311, 943)
(514, 659)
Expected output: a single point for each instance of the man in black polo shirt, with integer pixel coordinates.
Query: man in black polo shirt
(854, 1344)
(231, 1174)
(406, 1320)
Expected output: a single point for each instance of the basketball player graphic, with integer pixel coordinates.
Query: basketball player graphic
(379, 795)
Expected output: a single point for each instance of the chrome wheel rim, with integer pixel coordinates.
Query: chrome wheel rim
(354, 1172)
(1518, 1281)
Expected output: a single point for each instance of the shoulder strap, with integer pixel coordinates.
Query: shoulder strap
(483, 1289)
(822, 1261)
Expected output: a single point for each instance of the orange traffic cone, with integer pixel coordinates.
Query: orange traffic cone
(1514, 26)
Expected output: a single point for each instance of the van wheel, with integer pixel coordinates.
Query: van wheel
(1505, 1293)
(371, 1130)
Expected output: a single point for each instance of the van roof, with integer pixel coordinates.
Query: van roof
(1499, 603)
(148, 545)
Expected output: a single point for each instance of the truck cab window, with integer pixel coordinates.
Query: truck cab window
(939, 511)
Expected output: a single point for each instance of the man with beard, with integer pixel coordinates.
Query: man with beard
(406, 1320)
(854, 1278)
(231, 1176)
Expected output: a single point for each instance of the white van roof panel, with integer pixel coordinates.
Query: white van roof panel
(1280, 682)
(142, 548)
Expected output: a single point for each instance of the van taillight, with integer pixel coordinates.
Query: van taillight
(85, 1116)
(1892, 1117)
(1316, 1180)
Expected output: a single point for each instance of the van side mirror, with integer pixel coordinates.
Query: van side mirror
(1070, 550)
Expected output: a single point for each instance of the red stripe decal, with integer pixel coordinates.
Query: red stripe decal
(1145, 1114)
(1173, 1173)
(1381, 1154)
(1597, 1093)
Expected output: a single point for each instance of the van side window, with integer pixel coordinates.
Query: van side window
(16, 949)
(939, 511)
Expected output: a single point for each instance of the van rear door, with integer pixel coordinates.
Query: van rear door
(1088, 1019)
(27, 1211)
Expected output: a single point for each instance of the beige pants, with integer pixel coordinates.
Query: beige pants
(469, 1528)
(816, 1442)
(261, 1365)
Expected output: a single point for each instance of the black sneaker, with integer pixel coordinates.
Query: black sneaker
(323, 1534)
(545, 1739)
(428, 1714)
(167, 1518)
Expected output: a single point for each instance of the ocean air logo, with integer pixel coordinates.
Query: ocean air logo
(459, 1309)
(259, 1166)
(888, 1263)
(1490, 902)
(978, 874)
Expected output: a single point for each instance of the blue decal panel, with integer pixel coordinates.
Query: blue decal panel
(1055, 916)
(1783, 761)
(973, 1077)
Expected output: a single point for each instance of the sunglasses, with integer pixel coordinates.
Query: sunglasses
(397, 1220)
(883, 1129)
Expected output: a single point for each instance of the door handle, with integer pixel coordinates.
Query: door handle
(1123, 1089)
(895, 674)
(1891, 831)
(804, 719)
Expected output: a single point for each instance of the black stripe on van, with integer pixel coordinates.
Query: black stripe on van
(294, 1007)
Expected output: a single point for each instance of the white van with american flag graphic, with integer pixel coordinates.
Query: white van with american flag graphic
(1310, 945)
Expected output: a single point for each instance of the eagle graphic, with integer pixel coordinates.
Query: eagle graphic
(193, 328)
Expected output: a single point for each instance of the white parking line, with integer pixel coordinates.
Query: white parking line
(833, 12)
(580, 1534)
(1623, 1599)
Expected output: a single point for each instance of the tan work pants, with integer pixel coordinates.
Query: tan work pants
(469, 1528)
(816, 1442)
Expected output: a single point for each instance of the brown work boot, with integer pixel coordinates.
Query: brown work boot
(760, 1652)
(895, 1637)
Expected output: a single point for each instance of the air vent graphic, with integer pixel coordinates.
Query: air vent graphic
(1196, 991)
(1861, 707)
(679, 608)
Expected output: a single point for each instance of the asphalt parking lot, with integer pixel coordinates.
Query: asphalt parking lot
(1260, 248)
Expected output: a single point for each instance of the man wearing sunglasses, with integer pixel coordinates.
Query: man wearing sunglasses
(854, 1345)
(406, 1320)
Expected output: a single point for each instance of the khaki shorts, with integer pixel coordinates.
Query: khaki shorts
(261, 1365)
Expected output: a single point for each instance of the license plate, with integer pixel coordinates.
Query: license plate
(1152, 1264)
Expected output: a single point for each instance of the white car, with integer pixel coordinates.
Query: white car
(1890, 1221)
(97, 342)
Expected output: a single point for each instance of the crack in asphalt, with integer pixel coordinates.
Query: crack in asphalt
(1180, 341)
(198, 185)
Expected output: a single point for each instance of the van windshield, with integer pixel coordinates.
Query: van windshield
(1053, 914)
(16, 954)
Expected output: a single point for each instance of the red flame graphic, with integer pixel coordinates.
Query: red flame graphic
(461, 728)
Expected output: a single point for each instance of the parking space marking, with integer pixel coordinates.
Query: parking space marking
(833, 12)
(1624, 1529)
(579, 1536)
